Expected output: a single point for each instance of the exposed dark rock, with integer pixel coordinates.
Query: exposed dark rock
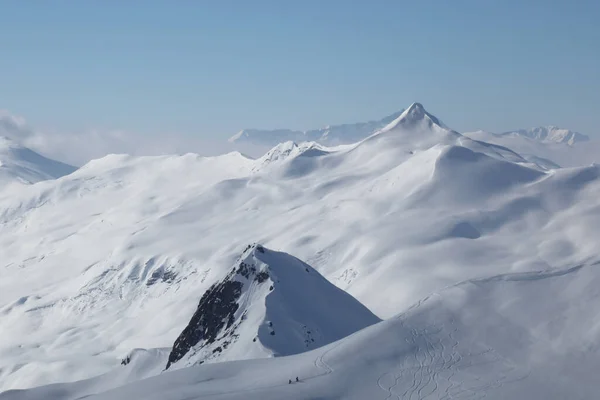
(160, 274)
(246, 270)
(215, 311)
(169, 276)
(156, 275)
(262, 276)
(214, 320)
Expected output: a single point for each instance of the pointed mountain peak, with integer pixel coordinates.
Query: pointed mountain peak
(270, 304)
(416, 112)
(414, 115)
(415, 109)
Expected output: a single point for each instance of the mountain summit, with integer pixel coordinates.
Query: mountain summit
(329, 135)
(550, 134)
(414, 115)
(20, 164)
(269, 304)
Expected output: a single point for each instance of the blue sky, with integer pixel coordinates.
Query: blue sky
(210, 68)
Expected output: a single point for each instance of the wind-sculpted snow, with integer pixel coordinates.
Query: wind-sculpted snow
(116, 255)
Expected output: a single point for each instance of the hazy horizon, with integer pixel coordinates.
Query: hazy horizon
(209, 70)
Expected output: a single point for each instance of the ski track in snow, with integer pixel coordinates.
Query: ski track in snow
(431, 371)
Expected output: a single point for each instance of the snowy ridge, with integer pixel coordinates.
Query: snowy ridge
(550, 134)
(562, 150)
(116, 255)
(484, 338)
(329, 135)
(22, 165)
(291, 149)
(415, 114)
(270, 304)
(292, 159)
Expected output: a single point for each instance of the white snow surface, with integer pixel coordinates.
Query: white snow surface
(551, 134)
(20, 165)
(116, 255)
(548, 146)
(330, 135)
(510, 336)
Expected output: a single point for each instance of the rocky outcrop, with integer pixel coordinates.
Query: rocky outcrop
(270, 304)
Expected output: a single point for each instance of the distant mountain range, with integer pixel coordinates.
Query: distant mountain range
(550, 134)
(330, 135)
(351, 133)
(19, 164)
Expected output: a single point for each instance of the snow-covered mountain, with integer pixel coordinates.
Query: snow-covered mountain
(115, 256)
(549, 146)
(270, 304)
(330, 135)
(550, 134)
(22, 165)
(509, 336)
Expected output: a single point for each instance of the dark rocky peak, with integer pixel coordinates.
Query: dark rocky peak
(219, 308)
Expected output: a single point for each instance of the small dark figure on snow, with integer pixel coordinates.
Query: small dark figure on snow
(297, 379)
(290, 382)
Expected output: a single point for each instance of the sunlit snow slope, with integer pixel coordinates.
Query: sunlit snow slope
(329, 135)
(510, 336)
(116, 255)
(21, 165)
(550, 146)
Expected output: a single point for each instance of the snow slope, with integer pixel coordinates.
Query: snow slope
(517, 336)
(549, 146)
(270, 304)
(114, 256)
(74, 289)
(19, 164)
(330, 135)
(550, 134)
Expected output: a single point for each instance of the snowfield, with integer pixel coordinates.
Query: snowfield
(548, 146)
(481, 261)
(518, 336)
(19, 165)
